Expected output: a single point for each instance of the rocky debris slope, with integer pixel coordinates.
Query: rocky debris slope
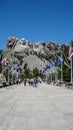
(34, 62)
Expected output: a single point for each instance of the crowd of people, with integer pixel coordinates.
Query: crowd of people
(32, 82)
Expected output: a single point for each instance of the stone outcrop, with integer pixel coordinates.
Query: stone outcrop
(11, 43)
(24, 47)
(17, 45)
(38, 47)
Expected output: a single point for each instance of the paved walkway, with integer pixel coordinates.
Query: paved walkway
(46, 107)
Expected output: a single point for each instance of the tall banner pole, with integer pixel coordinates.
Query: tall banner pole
(61, 69)
(51, 77)
(12, 66)
(71, 71)
(12, 73)
(2, 73)
(71, 64)
(56, 76)
(8, 73)
(2, 69)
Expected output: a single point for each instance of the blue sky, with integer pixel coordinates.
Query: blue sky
(36, 20)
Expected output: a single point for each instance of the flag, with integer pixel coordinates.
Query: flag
(51, 64)
(58, 61)
(70, 50)
(47, 67)
(16, 68)
(70, 53)
(19, 69)
(43, 70)
(4, 61)
(71, 56)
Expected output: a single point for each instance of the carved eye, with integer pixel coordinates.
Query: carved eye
(23, 43)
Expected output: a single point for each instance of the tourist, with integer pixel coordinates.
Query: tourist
(25, 82)
(19, 80)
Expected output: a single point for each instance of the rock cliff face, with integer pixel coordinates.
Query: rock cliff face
(22, 45)
(16, 45)
(24, 48)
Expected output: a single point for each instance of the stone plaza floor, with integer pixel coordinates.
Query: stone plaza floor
(46, 107)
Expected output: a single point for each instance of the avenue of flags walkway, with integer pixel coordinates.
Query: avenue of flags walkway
(45, 107)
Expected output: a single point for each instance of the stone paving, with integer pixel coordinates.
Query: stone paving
(46, 107)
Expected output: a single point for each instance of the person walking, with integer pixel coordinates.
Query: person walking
(29, 81)
(40, 80)
(35, 82)
(25, 82)
(19, 81)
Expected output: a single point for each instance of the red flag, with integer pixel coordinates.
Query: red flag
(5, 61)
(70, 53)
(70, 50)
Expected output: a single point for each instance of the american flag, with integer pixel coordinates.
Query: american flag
(4, 61)
(70, 53)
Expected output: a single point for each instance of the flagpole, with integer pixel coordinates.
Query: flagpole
(8, 73)
(71, 70)
(2, 73)
(51, 76)
(61, 69)
(56, 76)
(2, 69)
(12, 66)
